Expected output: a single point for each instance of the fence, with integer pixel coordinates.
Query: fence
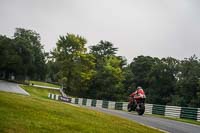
(168, 111)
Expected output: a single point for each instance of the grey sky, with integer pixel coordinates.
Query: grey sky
(158, 28)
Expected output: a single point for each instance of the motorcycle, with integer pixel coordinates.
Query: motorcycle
(137, 105)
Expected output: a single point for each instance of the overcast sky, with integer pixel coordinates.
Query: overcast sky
(158, 28)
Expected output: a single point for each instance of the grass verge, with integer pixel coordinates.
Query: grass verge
(44, 84)
(178, 119)
(19, 113)
(39, 92)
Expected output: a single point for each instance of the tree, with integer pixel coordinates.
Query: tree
(107, 81)
(9, 58)
(76, 65)
(141, 67)
(188, 86)
(103, 49)
(31, 50)
(162, 81)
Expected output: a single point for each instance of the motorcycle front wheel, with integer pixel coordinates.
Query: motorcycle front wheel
(130, 107)
(141, 110)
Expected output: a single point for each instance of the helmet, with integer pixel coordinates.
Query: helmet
(139, 87)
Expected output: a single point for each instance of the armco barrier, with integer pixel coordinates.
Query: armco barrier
(73, 100)
(80, 101)
(198, 115)
(105, 104)
(84, 102)
(168, 111)
(94, 103)
(158, 109)
(119, 105)
(99, 103)
(124, 106)
(148, 108)
(172, 111)
(76, 100)
(53, 96)
(111, 105)
(89, 102)
(189, 113)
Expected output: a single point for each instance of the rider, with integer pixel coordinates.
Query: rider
(138, 94)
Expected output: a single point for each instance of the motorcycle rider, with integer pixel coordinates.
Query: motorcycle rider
(138, 94)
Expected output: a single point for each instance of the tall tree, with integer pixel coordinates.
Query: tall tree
(9, 58)
(76, 65)
(29, 41)
(162, 81)
(107, 82)
(103, 48)
(141, 67)
(188, 87)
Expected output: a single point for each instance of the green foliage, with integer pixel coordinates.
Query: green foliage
(107, 82)
(188, 86)
(22, 56)
(166, 81)
(76, 66)
(29, 42)
(100, 73)
(104, 48)
(44, 84)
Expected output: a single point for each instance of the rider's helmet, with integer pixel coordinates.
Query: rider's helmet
(139, 87)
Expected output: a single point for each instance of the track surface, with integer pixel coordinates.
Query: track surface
(11, 87)
(159, 123)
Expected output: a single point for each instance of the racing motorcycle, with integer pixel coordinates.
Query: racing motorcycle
(137, 105)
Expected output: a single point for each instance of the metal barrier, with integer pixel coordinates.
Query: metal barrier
(148, 108)
(53, 96)
(94, 103)
(89, 102)
(119, 105)
(99, 103)
(84, 102)
(198, 116)
(158, 109)
(173, 111)
(105, 104)
(189, 113)
(111, 105)
(168, 111)
(125, 105)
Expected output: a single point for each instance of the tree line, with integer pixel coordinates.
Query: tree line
(98, 72)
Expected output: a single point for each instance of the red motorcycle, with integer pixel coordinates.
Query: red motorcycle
(137, 105)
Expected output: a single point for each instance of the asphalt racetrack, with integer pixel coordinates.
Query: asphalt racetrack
(11, 87)
(165, 125)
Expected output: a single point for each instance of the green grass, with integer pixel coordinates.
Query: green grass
(179, 119)
(35, 113)
(39, 92)
(44, 84)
